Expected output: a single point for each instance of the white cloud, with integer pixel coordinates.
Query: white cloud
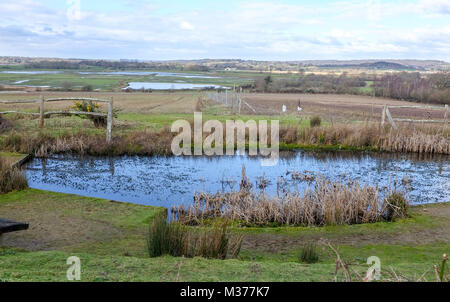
(186, 26)
(258, 30)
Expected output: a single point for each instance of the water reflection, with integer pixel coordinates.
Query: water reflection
(165, 181)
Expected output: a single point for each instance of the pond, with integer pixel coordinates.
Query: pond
(170, 86)
(167, 181)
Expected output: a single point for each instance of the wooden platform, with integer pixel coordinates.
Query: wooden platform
(8, 226)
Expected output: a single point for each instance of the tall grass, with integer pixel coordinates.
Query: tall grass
(11, 179)
(408, 138)
(178, 240)
(411, 139)
(309, 253)
(324, 202)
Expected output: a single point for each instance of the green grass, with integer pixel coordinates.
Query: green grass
(113, 82)
(121, 255)
(19, 265)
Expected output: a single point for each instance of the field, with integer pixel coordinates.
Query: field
(112, 246)
(338, 108)
(112, 82)
(110, 237)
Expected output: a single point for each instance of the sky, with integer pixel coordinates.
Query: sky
(284, 30)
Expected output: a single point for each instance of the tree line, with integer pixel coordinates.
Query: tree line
(432, 88)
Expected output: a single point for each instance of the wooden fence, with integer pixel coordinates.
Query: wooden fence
(230, 99)
(387, 114)
(42, 113)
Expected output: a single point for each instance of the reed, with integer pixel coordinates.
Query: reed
(11, 179)
(177, 240)
(324, 202)
(408, 138)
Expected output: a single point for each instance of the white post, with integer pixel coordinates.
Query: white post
(41, 112)
(110, 121)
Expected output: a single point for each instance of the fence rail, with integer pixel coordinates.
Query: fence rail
(387, 114)
(42, 114)
(230, 99)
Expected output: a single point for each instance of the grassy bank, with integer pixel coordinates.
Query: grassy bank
(143, 121)
(110, 239)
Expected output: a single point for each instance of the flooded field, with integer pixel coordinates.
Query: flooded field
(172, 86)
(167, 181)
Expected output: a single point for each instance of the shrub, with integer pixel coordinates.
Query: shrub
(309, 253)
(11, 179)
(315, 121)
(67, 86)
(90, 106)
(87, 88)
(177, 240)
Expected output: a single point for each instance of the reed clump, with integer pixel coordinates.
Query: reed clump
(408, 138)
(172, 238)
(11, 179)
(309, 253)
(324, 202)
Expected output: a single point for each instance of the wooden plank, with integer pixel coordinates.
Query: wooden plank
(8, 226)
(74, 113)
(419, 121)
(76, 99)
(19, 102)
(19, 112)
(22, 161)
(248, 105)
(419, 107)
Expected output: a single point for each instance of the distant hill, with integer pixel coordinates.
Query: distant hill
(376, 65)
(221, 64)
(381, 64)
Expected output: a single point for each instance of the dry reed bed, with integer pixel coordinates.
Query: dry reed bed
(422, 139)
(408, 138)
(11, 179)
(324, 203)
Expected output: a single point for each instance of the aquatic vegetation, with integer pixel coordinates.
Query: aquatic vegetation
(172, 238)
(11, 179)
(324, 202)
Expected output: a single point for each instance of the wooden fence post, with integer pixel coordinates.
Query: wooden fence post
(391, 120)
(41, 112)
(240, 104)
(383, 115)
(110, 121)
(446, 115)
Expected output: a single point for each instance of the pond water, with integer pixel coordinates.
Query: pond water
(167, 86)
(167, 181)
